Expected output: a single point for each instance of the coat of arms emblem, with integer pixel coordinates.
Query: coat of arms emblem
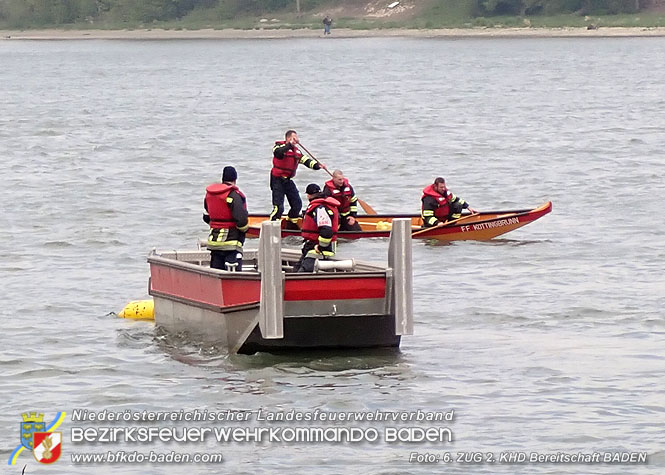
(32, 422)
(47, 446)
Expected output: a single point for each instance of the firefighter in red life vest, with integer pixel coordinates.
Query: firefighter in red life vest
(285, 160)
(440, 205)
(339, 188)
(319, 228)
(226, 213)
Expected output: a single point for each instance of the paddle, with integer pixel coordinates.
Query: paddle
(367, 208)
(445, 224)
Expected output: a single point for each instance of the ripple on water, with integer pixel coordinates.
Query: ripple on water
(550, 338)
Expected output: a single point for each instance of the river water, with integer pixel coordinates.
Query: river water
(548, 340)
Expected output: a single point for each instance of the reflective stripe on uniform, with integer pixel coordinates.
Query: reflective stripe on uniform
(322, 254)
(319, 255)
(308, 161)
(217, 241)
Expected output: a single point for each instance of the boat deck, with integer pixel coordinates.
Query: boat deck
(267, 306)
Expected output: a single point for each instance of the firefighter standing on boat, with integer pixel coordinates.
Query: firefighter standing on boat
(440, 205)
(285, 160)
(226, 213)
(319, 228)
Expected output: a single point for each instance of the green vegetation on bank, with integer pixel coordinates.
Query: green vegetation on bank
(248, 14)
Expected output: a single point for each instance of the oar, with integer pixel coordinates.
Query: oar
(444, 225)
(366, 208)
(314, 158)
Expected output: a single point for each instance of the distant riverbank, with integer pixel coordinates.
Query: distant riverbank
(268, 33)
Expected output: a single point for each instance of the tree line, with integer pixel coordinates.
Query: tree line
(40, 13)
(553, 7)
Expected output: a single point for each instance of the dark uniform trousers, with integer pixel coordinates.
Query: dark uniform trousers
(219, 259)
(345, 226)
(306, 264)
(284, 187)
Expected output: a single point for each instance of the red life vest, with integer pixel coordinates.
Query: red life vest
(310, 229)
(342, 195)
(443, 210)
(286, 167)
(218, 209)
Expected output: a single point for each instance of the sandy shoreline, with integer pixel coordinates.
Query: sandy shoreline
(208, 34)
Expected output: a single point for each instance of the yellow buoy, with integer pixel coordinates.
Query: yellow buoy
(139, 310)
(384, 226)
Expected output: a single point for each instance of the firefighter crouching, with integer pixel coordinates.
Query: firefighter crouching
(226, 213)
(319, 228)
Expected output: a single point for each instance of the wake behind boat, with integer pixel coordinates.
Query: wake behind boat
(478, 227)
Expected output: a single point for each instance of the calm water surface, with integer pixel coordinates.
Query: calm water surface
(548, 340)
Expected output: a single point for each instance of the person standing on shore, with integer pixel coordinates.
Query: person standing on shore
(327, 23)
(285, 160)
(226, 213)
